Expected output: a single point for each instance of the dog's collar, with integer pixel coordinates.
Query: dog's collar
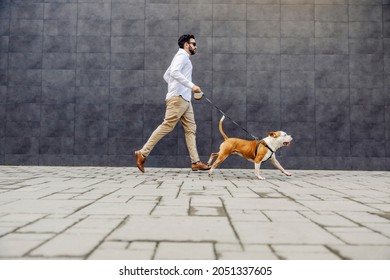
(265, 144)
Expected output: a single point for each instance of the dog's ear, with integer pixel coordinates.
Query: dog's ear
(272, 134)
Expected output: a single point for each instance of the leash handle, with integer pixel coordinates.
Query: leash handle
(223, 113)
(198, 95)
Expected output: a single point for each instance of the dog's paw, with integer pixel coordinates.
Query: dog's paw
(287, 174)
(260, 178)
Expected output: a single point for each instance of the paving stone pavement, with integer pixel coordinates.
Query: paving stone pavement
(120, 213)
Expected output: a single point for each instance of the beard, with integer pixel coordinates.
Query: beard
(192, 51)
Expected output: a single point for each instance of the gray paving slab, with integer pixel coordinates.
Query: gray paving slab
(120, 213)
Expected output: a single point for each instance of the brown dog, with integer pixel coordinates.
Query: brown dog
(253, 150)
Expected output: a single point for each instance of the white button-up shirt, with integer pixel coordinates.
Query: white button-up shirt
(179, 76)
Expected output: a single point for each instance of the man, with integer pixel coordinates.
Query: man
(178, 104)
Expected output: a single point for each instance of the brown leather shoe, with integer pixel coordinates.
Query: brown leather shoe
(140, 161)
(199, 166)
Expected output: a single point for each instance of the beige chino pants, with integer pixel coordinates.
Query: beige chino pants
(177, 109)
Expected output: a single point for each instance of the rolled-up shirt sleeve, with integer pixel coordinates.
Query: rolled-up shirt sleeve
(167, 75)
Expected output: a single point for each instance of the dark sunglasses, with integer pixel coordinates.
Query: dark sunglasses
(193, 43)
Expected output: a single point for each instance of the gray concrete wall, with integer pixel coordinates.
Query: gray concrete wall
(81, 81)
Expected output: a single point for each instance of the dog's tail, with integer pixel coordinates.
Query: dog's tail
(220, 128)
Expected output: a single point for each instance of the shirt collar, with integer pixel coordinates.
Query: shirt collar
(183, 51)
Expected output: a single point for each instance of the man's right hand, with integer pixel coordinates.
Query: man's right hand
(196, 89)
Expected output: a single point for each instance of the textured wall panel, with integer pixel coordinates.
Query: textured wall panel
(81, 81)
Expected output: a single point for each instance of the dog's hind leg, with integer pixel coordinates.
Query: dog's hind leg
(219, 160)
(212, 157)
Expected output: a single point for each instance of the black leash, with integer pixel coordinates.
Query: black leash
(254, 137)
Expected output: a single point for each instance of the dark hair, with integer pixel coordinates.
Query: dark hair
(184, 39)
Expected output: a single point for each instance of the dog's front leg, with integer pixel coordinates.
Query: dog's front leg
(257, 171)
(276, 163)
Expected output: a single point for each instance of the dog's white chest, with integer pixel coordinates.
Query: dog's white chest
(267, 156)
